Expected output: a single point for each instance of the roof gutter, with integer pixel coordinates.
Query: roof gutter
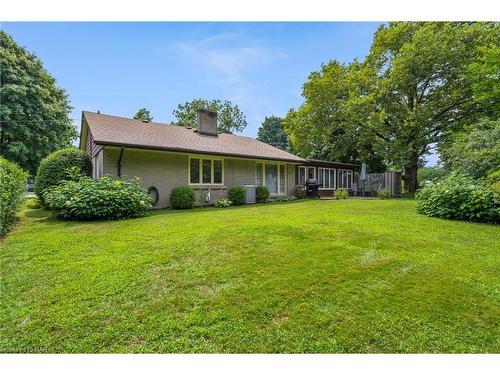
(190, 151)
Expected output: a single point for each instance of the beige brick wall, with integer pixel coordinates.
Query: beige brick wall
(166, 170)
(155, 168)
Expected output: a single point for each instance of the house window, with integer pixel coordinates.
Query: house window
(272, 176)
(326, 178)
(282, 179)
(194, 171)
(259, 180)
(271, 180)
(302, 175)
(311, 173)
(217, 171)
(344, 179)
(206, 171)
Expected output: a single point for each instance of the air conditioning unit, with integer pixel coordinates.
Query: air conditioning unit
(250, 193)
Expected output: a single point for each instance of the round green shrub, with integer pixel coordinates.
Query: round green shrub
(261, 194)
(103, 199)
(182, 197)
(34, 203)
(61, 166)
(12, 190)
(384, 194)
(340, 194)
(460, 197)
(237, 195)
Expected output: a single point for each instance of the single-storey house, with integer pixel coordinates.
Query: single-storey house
(165, 156)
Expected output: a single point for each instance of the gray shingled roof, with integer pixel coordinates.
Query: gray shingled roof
(121, 131)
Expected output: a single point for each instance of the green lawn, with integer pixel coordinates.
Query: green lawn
(306, 276)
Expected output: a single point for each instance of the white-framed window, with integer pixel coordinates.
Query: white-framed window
(344, 178)
(311, 173)
(326, 178)
(302, 175)
(205, 171)
(272, 176)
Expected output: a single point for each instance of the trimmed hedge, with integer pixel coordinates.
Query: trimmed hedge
(182, 197)
(261, 194)
(103, 199)
(237, 195)
(12, 189)
(66, 164)
(460, 197)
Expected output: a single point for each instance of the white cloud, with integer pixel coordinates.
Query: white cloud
(228, 60)
(229, 56)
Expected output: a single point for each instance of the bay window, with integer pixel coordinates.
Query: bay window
(207, 171)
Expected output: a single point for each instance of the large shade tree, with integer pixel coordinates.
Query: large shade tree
(229, 117)
(271, 132)
(34, 112)
(412, 91)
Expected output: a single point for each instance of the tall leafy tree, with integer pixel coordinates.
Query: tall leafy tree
(474, 151)
(229, 117)
(143, 114)
(321, 128)
(412, 91)
(34, 112)
(485, 74)
(271, 132)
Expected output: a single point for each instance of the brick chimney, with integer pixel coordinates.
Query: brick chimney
(207, 122)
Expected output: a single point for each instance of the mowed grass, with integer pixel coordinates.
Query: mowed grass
(306, 276)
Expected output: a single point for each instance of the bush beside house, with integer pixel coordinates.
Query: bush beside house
(462, 198)
(12, 190)
(341, 194)
(223, 203)
(261, 194)
(300, 191)
(103, 199)
(60, 166)
(182, 197)
(237, 195)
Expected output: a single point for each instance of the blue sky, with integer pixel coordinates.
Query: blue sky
(118, 68)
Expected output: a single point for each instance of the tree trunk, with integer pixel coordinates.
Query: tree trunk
(410, 174)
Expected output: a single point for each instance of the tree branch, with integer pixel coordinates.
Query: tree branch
(374, 131)
(442, 112)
